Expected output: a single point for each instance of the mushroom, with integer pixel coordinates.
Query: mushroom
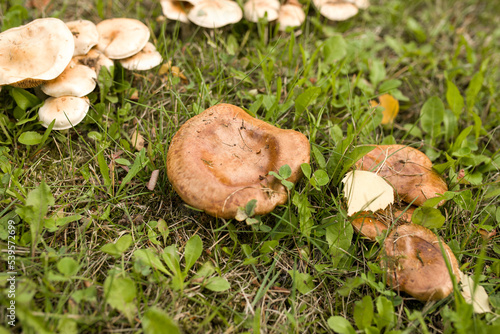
(68, 111)
(366, 224)
(95, 59)
(215, 13)
(416, 265)
(35, 52)
(407, 169)
(145, 59)
(291, 14)
(220, 159)
(85, 35)
(122, 37)
(361, 4)
(176, 10)
(258, 9)
(76, 80)
(336, 10)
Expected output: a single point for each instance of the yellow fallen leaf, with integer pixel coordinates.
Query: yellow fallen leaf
(174, 70)
(390, 105)
(478, 299)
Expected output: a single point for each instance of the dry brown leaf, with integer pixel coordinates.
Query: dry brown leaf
(390, 105)
(153, 179)
(167, 68)
(137, 140)
(476, 296)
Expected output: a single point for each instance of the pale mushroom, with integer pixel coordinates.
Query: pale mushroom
(258, 9)
(221, 159)
(122, 37)
(68, 111)
(416, 265)
(35, 52)
(215, 13)
(95, 59)
(176, 10)
(361, 4)
(336, 10)
(291, 14)
(146, 59)
(85, 35)
(76, 80)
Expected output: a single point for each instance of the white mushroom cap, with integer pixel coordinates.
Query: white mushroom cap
(146, 59)
(76, 80)
(361, 4)
(121, 37)
(37, 51)
(215, 13)
(290, 16)
(336, 10)
(95, 59)
(85, 35)
(257, 9)
(176, 10)
(68, 111)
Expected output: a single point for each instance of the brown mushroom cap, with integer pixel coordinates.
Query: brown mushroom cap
(407, 169)
(366, 224)
(122, 37)
(416, 265)
(35, 52)
(220, 159)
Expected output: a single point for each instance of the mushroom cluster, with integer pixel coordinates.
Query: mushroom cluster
(340, 10)
(411, 253)
(64, 60)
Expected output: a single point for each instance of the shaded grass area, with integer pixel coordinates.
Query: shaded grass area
(303, 264)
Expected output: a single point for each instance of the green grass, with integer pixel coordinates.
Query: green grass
(302, 268)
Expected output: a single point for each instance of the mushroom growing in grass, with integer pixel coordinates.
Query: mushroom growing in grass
(221, 159)
(122, 37)
(416, 265)
(76, 80)
(85, 35)
(95, 60)
(35, 52)
(145, 59)
(291, 14)
(336, 10)
(258, 9)
(176, 10)
(67, 111)
(215, 13)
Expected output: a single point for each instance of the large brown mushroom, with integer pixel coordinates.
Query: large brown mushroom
(416, 265)
(220, 159)
(407, 169)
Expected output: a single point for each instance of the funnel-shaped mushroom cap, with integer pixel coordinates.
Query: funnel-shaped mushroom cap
(68, 111)
(85, 35)
(290, 15)
(215, 13)
(416, 265)
(176, 10)
(146, 59)
(257, 9)
(121, 38)
(407, 169)
(220, 159)
(76, 80)
(35, 52)
(95, 60)
(336, 10)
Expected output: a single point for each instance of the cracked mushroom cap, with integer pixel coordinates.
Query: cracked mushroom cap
(85, 35)
(336, 10)
(220, 159)
(76, 80)
(215, 13)
(257, 9)
(407, 169)
(416, 265)
(68, 111)
(291, 15)
(144, 60)
(35, 52)
(122, 37)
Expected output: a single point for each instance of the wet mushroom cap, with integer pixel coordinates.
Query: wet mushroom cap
(407, 169)
(122, 37)
(336, 10)
(215, 13)
(85, 35)
(76, 80)
(145, 59)
(220, 159)
(257, 9)
(35, 52)
(68, 111)
(415, 263)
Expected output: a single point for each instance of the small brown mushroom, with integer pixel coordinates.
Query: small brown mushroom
(416, 265)
(220, 159)
(407, 169)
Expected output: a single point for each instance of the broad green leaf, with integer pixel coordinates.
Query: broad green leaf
(389, 85)
(268, 246)
(139, 163)
(67, 266)
(363, 312)
(156, 321)
(250, 208)
(171, 258)
(150, 258)
(339, 234)
(305, 213)
(285, 171)
(416, 29)
(88, 294)
(335, 48)
(305, 99)
(454, 98)
(120, 293)
(30, 138)
(428, 217)
(377, 71)
(306, 170)
(431, 116)
(341, 325)
(192, 251)
(103, 168)
(474, 87)
(320, 178)
(320, 159)
(119, 247)
(217, 284)
(207, 269)
(303, 282)
(23, 98)
(386, 316)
